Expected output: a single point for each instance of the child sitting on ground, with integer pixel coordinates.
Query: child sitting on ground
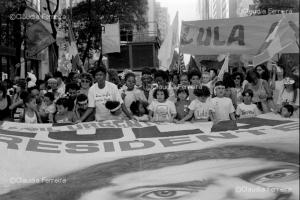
(139, 110)
(30, 113)
(63, 115)
(81, 106)
(182, 103)
(47, 108)
(161, 109)
(247, 109)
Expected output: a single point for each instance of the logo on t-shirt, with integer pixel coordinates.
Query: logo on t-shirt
(103, 98)
(162, 112)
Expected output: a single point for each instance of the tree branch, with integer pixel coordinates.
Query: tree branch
(57, 6)
(49, 8)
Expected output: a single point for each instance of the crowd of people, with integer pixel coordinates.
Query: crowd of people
(162, 96)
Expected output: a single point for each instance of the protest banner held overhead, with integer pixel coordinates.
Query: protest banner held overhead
(233, 36)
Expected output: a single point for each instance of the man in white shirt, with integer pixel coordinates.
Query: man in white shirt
(99, 94)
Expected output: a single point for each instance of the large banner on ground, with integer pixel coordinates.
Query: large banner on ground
(243, 35)
(256, 158)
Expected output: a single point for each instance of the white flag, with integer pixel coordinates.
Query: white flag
(224, 67)
(111, 38)
(166, 51)
(281, 37)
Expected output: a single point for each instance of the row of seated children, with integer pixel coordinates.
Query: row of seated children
(202, 108)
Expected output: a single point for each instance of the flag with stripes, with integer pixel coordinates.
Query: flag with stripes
(181, 66)
(280, 37)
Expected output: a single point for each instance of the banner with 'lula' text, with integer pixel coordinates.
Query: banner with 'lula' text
(243, 35)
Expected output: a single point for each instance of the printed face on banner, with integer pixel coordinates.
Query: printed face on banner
(214, 179)
(258, 161)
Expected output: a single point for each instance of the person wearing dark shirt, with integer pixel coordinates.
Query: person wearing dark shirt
(5, 102)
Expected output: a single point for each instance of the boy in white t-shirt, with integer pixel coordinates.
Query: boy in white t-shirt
(247, 109)
(201, 107)
(223, 106)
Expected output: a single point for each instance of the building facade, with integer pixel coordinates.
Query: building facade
(218, 9)
(158, 19)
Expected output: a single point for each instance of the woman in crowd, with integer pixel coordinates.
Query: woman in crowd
(263, 72)
(113, 77)
(5, 102)
(17, 105)
(146, 82)
(262, 92)
(86, 81)
(277, 84)
(230, 91)
(238, 79)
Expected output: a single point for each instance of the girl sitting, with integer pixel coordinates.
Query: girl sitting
(182, 103)
(201, 107)
(63, 115)
(30, 113)
(161, 109)
(247, 109)
(139, 110)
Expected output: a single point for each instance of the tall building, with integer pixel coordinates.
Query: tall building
(158, 19)
(162, 19)
(217, 9)
(203, 9)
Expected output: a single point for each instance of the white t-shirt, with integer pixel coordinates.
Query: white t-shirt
(162, 111)
(247, 111)
(31, 120)
(286, 97)
(223, 107)
(131, 96)
(201, 110)
(98, 97)
(278, 88)
(61, 90)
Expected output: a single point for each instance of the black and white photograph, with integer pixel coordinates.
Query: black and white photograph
(149, 99)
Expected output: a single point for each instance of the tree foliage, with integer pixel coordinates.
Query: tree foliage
(89, 15)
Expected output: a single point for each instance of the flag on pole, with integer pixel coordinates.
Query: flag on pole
(224, 67)
(192, 66)
(181, 65)
(166, 51)
(111, 38)
(281, 37)
(73, 51)
(37, 39)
